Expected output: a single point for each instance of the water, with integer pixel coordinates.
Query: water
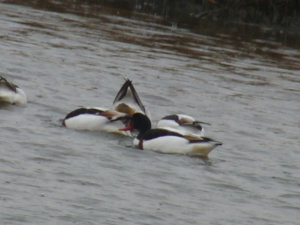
(246, 87)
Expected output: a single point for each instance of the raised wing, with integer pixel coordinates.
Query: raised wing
(137, 98)
(10, 85)
(123, 91)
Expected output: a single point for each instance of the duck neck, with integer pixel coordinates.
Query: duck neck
(142, 131)
(140, 135)
(141, 123)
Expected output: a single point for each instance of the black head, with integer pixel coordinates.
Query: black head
(140, 122)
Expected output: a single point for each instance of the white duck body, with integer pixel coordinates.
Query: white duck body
(11, 93)
(184, 124)
(168, 140)
(95, 119)
(177, 145)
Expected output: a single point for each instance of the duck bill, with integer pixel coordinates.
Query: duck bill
(128, 127)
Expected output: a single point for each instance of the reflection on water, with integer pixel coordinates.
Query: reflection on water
(68, 56)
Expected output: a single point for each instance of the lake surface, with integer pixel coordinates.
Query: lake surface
(245, 83)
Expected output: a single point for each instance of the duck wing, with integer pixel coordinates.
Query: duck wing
(123, 91)
(8, 84)
(125, 97)
(156, 133)
(203, 140)
(109, 114)
(137, 98)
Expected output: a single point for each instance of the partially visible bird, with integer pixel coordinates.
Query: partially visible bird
(10, 93)
(126, 103)
(168, 140)
(183, 124)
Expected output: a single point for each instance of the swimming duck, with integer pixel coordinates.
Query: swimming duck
(11, 93)
(95, 119)
(126, 103)
(168, 140)
(183, 124)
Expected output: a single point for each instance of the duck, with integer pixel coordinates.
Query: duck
(10, 93)
(125, 104)
(96, 119)
(184, 124)
(168, 140)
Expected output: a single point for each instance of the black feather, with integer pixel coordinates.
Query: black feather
(155, 133)
(84, 111)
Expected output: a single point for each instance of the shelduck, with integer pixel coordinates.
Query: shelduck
(10, 93)
(168, 140)
(126, 103)
(95, 119)
(183, 124)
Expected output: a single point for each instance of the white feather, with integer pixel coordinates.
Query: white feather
(178, 145)
(95, 122)
(9, 96)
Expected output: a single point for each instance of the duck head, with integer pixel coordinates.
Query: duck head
(139, 122)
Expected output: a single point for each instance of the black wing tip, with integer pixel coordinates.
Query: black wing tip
(80, 111)
(206, 139)
(159, 132)
(123, 90)
(10, 85)
(127, 83)
(127, 80)
(136, 97)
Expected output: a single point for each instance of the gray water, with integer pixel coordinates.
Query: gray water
(247, 88)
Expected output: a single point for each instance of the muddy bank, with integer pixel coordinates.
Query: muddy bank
(274, 12)
(280, 12)
(202, 17)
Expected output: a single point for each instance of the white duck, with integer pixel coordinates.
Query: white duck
(126, 103)
(11, 93)
(183, 124)
(168, 140)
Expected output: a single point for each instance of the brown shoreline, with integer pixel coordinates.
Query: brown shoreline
(285, 13)
(279, 19)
